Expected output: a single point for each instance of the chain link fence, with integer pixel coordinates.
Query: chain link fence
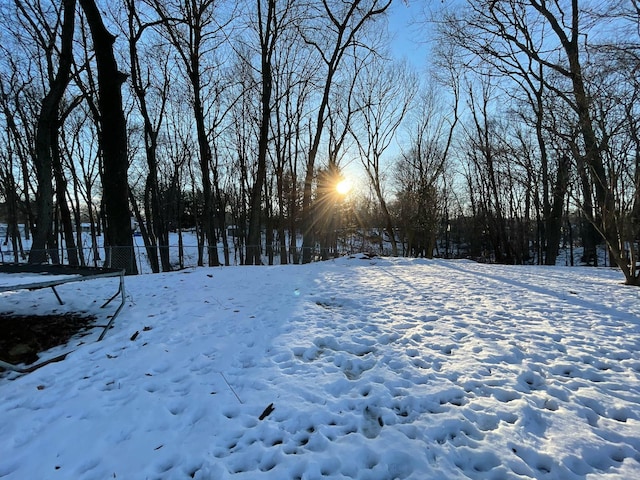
(175, 257)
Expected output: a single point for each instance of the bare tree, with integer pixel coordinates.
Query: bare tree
(335, 29)
(113, 142)
(487, 152)
(526, 83)
(196, 30)
(45, 36)
(81, 160)
(8, 191)
(23, 73)
(420, 170)
(295, 72)
(547, 46)
(156, 236)
(383, 98)
(17, 155)
(272, 19)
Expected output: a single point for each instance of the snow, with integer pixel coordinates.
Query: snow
(375, 369)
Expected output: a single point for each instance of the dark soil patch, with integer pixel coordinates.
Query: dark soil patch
(23, 338)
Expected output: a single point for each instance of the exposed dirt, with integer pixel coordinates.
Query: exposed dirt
(23, 338)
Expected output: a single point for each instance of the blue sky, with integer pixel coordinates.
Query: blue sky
(408, 34)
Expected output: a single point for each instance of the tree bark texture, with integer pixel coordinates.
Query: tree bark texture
(47, 122)
(113, 142)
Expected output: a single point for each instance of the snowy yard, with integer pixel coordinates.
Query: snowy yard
(375, 369)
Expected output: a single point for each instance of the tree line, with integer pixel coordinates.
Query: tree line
(521, 131)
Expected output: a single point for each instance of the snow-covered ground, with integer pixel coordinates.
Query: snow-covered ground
(373, 368)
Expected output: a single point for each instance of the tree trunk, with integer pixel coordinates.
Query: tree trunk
(267, 40)
(63, 205)
(47, 122)
(150, 246)
(156, 236)
(77, 219)
(146, 228)
(553, 222)
(113, 139)
(388, 221)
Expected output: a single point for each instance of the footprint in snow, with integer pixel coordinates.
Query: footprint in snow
(371, 422)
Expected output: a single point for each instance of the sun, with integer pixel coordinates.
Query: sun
(343, 186)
